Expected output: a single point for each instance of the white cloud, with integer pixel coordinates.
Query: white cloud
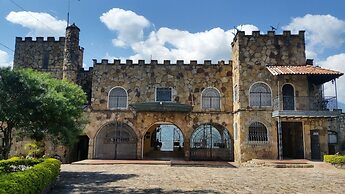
(166, 43)
(128, 25)
(4, 59)
(335, 62)
(40, 24)
(322, 31)
(173, 44)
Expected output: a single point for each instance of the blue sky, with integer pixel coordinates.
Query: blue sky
(179, 29)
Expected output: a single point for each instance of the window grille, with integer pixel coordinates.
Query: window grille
(118, 98)
(163, 94)
(210, 99)
(257, 133)
(260, 95)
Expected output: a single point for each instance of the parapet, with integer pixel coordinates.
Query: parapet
(286, 33)
(155, 62)
(40, 39)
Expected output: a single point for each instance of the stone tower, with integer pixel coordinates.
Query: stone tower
(73, 54)
(251, 54)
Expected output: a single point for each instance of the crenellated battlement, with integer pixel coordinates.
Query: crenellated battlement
(39, 39)
(155, 62)
(286, 33)
(269, 48)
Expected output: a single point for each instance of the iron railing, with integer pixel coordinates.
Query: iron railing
(304, 103)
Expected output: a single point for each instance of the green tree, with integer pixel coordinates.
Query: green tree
(37, 105)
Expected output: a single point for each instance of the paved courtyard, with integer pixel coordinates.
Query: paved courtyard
(136, 178)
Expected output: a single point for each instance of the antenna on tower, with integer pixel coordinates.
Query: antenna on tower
(68, 9)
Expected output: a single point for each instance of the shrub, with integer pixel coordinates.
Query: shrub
(32, 180)
(16, 164)
(335, 159)
(34, 149)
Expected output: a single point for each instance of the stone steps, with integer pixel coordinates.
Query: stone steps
(278, 163)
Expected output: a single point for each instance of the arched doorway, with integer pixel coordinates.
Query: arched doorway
(116, 141)
(288, 97)
(211, 142)
(163, 141)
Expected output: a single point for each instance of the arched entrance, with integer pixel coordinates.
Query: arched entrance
(288, 97)
(116, 141)
(163, 141)
(211, 142)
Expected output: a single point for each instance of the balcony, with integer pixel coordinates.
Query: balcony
(305, 106)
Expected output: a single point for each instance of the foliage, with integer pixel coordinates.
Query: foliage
(17, 164)
(334, 159)
(34, 149)
(38, 105)
(32, 180)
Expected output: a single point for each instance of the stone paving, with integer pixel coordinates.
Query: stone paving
(138, 178)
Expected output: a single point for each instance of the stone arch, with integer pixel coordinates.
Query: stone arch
(115, 140)
(184, 132)
(211, 141)
(165, 146)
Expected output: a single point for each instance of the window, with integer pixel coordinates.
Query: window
(257, 133)
(210, 99)
(260, 95)
(163, 94)
(118, 98)
(332, 137)
(45, 61)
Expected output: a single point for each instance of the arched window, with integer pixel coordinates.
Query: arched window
(257, 133)
(288, 97)
(210, 99)
(260, 95)
(118, 98)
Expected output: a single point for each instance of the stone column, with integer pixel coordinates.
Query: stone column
(186, 149)
(280, 139)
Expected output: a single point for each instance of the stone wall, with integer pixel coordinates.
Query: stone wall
(84, 79)
(140, 80)
(187, 80)
(144, 121)
(49, 55)
(250, 55)
(44, 55)
(339, 127)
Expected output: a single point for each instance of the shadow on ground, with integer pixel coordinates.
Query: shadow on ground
(100, 182)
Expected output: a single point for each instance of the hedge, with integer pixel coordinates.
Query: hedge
(33, 180)
(16, 164)
(334, 159)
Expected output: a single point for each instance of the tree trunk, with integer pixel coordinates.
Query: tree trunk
(7, 141)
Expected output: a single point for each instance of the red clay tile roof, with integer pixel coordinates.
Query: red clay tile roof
(302, 70)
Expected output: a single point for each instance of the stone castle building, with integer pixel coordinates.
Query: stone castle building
(266, 102)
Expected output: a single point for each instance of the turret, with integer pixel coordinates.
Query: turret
(72, 54)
